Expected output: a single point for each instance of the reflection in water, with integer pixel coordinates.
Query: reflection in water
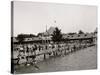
(79, 60)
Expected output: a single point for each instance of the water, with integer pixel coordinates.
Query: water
(80, 60)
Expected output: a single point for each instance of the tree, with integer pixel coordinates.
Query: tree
(71, 33)
(32, 35)
(80, 32)
(20, 38)
(39, 34)
(57, 36)
(95, 32)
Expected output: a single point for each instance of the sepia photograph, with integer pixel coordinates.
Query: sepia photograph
(52, 37)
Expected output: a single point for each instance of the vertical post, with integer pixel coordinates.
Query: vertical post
(65, 51)
(53, 53)
(56, 53)
(44, 56)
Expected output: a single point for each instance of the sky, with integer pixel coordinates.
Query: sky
(34, 17)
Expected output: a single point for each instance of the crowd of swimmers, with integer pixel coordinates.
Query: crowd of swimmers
(29, 51)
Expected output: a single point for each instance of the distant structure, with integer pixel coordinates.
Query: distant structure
(48, 32)
(45, 37)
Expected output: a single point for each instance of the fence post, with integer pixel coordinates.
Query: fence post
(44, 56)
